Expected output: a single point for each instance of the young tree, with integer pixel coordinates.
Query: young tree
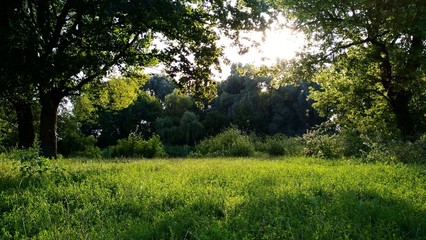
(62, 45)
(389, 35)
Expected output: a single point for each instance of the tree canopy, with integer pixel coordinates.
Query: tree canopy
(363, 68)
(52, 49)
(382, 44)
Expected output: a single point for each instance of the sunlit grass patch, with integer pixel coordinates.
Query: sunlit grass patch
(229, 198)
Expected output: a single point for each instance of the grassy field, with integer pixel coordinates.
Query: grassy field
(288, 198)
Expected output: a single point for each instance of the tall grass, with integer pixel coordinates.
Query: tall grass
(288, 198)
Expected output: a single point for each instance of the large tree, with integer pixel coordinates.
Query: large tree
(16, 89)
(58, 46)
(388, 36)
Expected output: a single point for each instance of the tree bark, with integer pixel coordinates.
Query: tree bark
(398, 98)
(24, 117)
(48, 124)
(400, 104)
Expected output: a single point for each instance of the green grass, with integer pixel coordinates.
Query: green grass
(288, 198)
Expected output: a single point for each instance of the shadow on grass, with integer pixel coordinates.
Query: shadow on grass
(88, 204)
(347, 214)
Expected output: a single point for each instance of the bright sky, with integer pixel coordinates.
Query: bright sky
(277, 44)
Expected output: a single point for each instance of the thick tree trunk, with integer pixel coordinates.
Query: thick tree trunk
(48, 124)
(24, 116)
(400, 104)
(399, 99)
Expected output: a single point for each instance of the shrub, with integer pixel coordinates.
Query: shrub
(413, 152)
(396, 150)
(34, 168)
(72, 142)
(89, 152)
(323, 142)
(136, 146)
(330, 140)
(178, 150)
(85, 148)
(281, 145)
(379, 151)
(30, 162)
(229, 143)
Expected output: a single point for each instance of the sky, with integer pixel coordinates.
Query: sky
(277, 43)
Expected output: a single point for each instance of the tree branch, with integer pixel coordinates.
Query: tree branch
(60, 22)
(98, 73)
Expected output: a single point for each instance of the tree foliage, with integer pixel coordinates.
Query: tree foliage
(179, 124)
(57, 47)
(352, 99)
(249, 102)
(382, 44)
(115, 109)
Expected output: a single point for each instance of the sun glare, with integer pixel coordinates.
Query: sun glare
(272, 46)
(281, 44)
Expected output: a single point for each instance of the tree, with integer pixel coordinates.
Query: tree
(353, 104)
(179, 124)
(16, 88)
(62, 45)
(191, 128)
(249, 101)
(389, 36)
(116, 108)
(160, 86)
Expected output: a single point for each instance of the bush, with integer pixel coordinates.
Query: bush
(89, 152)
(84, 148)
(136, 146)
(413, 152)
(396, 150)
(72, 142)
(33, 168)
(330, 140)
(178, 150)
(229, 143)
(281, 145)
(323, 142)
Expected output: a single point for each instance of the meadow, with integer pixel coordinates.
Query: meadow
(220, 198)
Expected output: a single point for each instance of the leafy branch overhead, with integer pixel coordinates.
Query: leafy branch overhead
(389, 36)
(60, 46)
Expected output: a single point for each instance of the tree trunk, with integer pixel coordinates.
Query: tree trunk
(24, 116)
(48, 124)
(398, 98)
(400, 102)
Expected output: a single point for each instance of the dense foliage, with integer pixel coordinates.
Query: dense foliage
(158, 108)
(136, 147)
(369, 58)
(229, 143)
(73, 82)
(53, 49)
(362, 72)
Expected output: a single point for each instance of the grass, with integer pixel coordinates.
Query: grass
(287, 198)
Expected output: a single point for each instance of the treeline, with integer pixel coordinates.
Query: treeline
(149, 116)
(142, 106)
(133, 107)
